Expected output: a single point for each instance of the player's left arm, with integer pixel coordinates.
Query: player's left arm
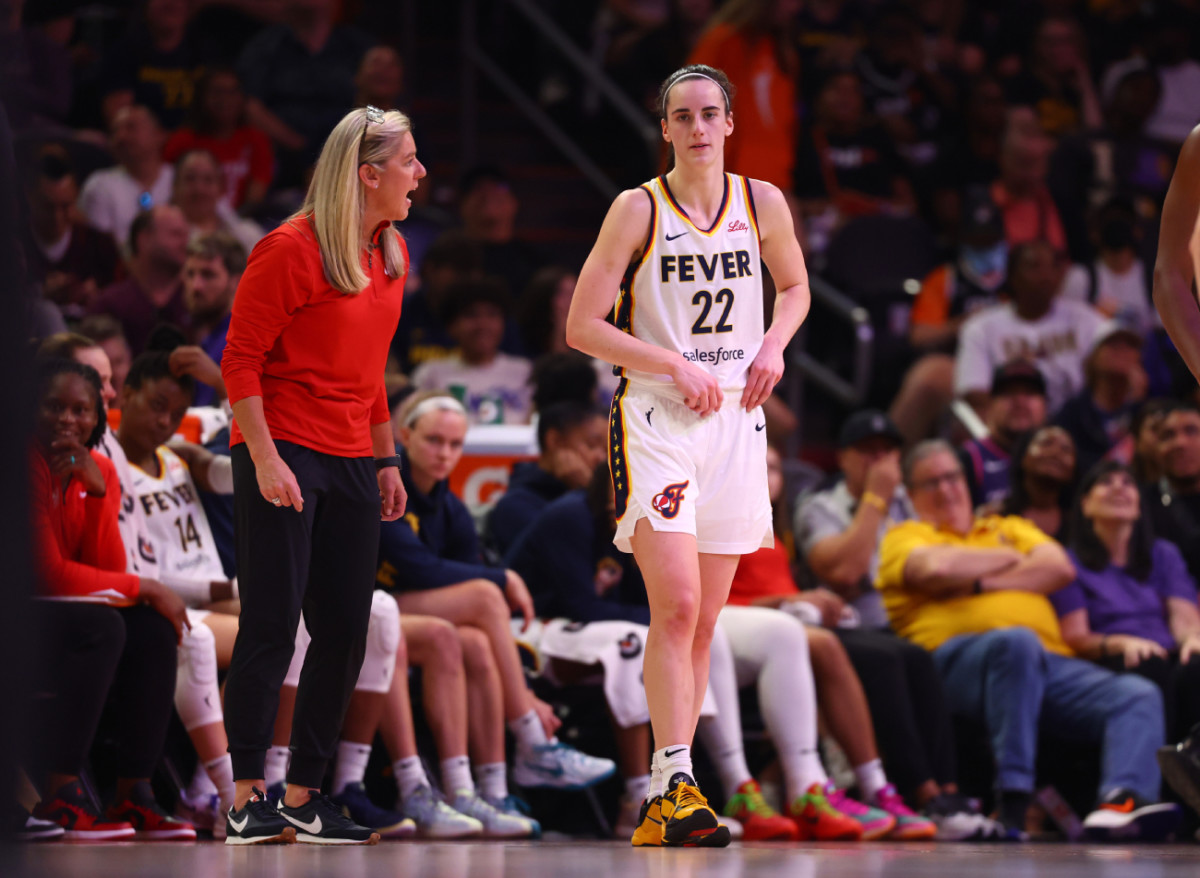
(212, 473)
(784, 259)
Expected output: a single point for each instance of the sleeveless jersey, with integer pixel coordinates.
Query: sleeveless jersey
(697, 291)
(131, 521)
(175, 519)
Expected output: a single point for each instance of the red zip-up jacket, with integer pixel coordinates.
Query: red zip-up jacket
(315, 355)
(79, 552)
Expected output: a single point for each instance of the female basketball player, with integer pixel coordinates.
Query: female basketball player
(688, 446)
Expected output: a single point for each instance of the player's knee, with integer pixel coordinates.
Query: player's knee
(383, 642)
(444, 644)
(476, 651)
(197, 698)
(490, 600)
(678, 616)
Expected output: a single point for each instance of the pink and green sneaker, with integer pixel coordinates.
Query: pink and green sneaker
(909, 825)
(876, 824)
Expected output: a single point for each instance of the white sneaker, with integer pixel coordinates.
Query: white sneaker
(496, 823)
(560, 766)
(436, 819)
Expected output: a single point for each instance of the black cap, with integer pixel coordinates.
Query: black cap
(868, 424)
(980, 216)
(1023, 372)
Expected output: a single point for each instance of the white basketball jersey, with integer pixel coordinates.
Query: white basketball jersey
(697, 291)
(139, 550)
(175, 519)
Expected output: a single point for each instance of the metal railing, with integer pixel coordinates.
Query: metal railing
(476, 60)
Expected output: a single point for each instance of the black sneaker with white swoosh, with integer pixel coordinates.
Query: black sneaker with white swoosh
(320, 821)
(257, 823)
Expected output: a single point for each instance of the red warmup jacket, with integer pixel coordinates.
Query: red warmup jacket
(315, 355)
(79, 552)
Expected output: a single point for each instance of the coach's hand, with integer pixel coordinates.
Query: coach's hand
(764, 374)
(277, 483)
(701, 392)
(392, 496)
(516, 592)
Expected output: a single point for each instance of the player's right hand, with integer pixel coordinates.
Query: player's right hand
(277, 482)
(166, 603)
(700, 389)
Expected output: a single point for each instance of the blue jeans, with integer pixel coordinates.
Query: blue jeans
(1006, 680)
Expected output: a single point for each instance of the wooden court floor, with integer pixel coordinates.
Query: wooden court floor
(549, 859)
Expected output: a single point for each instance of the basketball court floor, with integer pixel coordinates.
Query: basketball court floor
(564, 859)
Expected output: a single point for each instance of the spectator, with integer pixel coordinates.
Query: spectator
(1132, 606)
(488, 208)
(1057, 83)
(1099, 417)
(1117, 282)
(199, 192)
(569, 376)
(217, 123)
(155, 65)
(1016, 407)
(35, 74)
(72, 260)
(1041, 481)
(1021, 192)
(380, 79)
(1144, 435)
(838, 529)
(1173, 503)
(299, 76)
(214, 266)
(973, 591)
(753, 41)
(119, 640)
(112, 197)
(152, 293)
(106, 333)
(1036, 324)
(572, 442)
(971, 154)
(492, 385)
(847, 167)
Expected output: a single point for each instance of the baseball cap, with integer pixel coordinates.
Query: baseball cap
(1013, 372)
(868, 424)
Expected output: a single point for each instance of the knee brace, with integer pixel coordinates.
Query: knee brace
(383, 640)
(197, 698)
(301, 650)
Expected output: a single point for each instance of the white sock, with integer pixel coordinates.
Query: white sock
(802, 769)
(220, 774)
(725, 752)
(656, 784)
(637, 788)
(410, 775)
(456, 775)
(673, 760)
(276, 766)
(492, 780)
(351, 764)
(871, 779)
(528, 731)
(202, 784)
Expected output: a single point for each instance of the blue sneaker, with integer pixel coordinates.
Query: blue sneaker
(354, 803)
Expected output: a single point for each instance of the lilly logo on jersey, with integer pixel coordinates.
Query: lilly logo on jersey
(667, 503)
(737, 225)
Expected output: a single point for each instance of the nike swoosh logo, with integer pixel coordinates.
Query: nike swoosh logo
(556, 771)
(758, 428)
(673, 237)
(673, 752)
(312, 828)
(238, 827)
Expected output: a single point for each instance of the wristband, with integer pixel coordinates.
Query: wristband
(873, 499)
(385, 462)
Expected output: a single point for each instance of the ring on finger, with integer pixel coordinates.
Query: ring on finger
(277, 502)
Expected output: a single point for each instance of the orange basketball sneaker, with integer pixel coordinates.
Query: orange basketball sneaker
(817, 820)
(760, 822)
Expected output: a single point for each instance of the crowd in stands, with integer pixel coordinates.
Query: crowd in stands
(1002, 562)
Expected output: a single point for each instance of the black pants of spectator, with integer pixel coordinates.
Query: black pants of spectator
(908, 707)
(1180, 685)
(92, 658)
(321, 561)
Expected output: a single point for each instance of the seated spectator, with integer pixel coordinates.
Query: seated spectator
(1132, 606)
(380, 79)
(488, 207)
(569, 376)
(1021, 193)
(211, 272)
(1041, 481)
(493, 386)
(152, 293)
(436, 547)
(70, 259)
(974, 592)
(217, 124)
(1057, 82)
(971, 155)
(156, 64)
(898, 689)
(838, 529)
(35, 74)
(572, 441)
(199, 190)
(1144, 437)
(847, 167)
(118, 640)
(105, 331)
(1173, 502)
(113, 197)
(1116, 283)
(1036, 324)
(1016, 406)
(1099, 417)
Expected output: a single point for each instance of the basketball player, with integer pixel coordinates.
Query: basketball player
(687, 443)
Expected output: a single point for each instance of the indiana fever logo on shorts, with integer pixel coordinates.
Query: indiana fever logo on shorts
(667, 503)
